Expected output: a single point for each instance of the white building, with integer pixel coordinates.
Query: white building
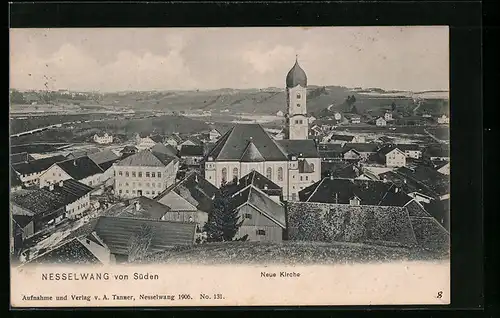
(388, 116)
(338, 116)
(380, 122)
(81, 169)
(145, 173)
(443, 119)
(296, 97)
(280, 113)
(311, 119)
(393, 157)
(103, 139)
(143, 143)
(214, 134)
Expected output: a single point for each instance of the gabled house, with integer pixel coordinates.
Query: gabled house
(103, 139)
(21, 157)
(258, 181)
(173, 140)
(129, 239)
(192, 155)
(442, 167)
(105, 160)
(350, 154)
(165, 149)
(330, 152)
(144, 208)
(316, 131)
(143, 143)
(343, 139)
(214, 135)
(365, 150)
(380, 122)
(391, 156)
(30, 172)
(436, 152)
(412, 151)
(127, 151)
(263, 218)
(82, 169)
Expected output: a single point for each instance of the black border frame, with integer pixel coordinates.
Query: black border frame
(464, 19)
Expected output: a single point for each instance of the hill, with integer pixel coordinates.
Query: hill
(286, 253)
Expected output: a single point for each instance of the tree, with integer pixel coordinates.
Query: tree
(139, 243)
(393, 106)
(223, 222)
(354, 110)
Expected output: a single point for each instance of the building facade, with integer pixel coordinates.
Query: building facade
(296, 97)
(104, 139)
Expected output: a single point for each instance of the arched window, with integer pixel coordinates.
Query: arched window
(298, 95)
(235, 173)
(280, 174)
(312, 167)
(269, 173)
(224, 174)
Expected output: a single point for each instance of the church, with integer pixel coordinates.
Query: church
(293, 163)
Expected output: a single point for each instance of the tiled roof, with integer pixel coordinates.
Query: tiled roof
(146, 208)
(430, 234)
(426, 178)
(332, 190)
(437, 150)
(231, 146)
(408, 147)
(362, 147)
(342, 137)
(37, 200)
(22, 220)
(129, 149)
(304, 148)
(14, 178)
(37, 166)
(72, 252)
(192, 150)
(80, 168)
(156, 138)
(257, 180)
(195, 189)
(118, 232)
(388, 148)
(164, 149)
(108, 164)
(103, 156)
(267, 206)
(358, 224)
(71, 190)
(21, 157)
(146, 158)
(251, 154)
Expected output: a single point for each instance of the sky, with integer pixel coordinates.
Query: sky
(120, 59)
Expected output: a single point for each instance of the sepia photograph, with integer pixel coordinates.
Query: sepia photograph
(229, 166)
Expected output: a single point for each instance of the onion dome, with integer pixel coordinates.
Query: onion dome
(296, 76)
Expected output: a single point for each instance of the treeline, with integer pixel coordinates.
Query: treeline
(47, 97)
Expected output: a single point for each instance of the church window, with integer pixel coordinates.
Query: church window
(126, 174)
(312, 167)
(269, 173)
(298, 95)
(235, 172)
(280, 174)
(224, 174)
(133, 173)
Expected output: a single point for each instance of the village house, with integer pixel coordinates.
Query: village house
(191, 141)
(263, 218)
(353, 118)
(311, 119)
(21, 157)
(82, 153)
(29, 172)
(192, 155)
(363, 150)
(76, 197)
(124, 236)
(103, 139)
(144, 142)
(15, 182)
(380, 122)
(173, 140)
(214, 135)
(143, 208)
(443, 120)
(316, 131)
(128, 151)
(82, 169)
(442, 167)
(412, 151)
(279, 135)
(330, 152)
(105, 160)
(145, 173)
(258, 181)
(436, 152)
(189, 200)
(21, 229)
(279, 113)
(167, 150)
(392, 157)
(343, 139)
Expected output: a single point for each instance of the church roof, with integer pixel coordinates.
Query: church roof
(251, 154)
(233, 145)
(296, 76)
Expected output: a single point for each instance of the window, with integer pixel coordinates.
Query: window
(224, 174)
(248, 216)
(307, 178)
(147, 192)
(133, 174)
(126, 191)
(235, 172)
(120, 191)
(90, 183)
(280, 174)
(312, 167)
(147, 174)
(300, 178)
(298, 105)
(126, 184)
(59, 174)
(159, 174)
(152, 192)
(120, 173)
(298, 95)
(153, 175)
(261, 232)
(54, 174)
(126, 174)
(140, 174)
(269, 173)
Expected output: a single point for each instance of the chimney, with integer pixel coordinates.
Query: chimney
(61, 183)
(265, 187)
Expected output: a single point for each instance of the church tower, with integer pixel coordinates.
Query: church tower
(296, 91)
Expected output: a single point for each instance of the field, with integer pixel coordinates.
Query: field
(285, 253)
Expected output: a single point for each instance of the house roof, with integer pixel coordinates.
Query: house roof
(128, 149)
(362, 147)
(232, 144)
(21, 157)
(192, 151)
(342, 137)
(438, 164)
(387, 149)
(383, 225)
(438, 150)
(71, 190)
(195, 189)
(430, 235)
(174, 137)
(146, 208)
(305, 148)
(118, 232)
(108, 164)
(257, 180)
(164, 149)
(22, 220)
(408, 147)
(262, 202)
(330, 147)
(71, 252)
(37, 200)
(37, 166)
(146, 158)
(420, 179)
(385, 139)
(156, 138)
(81, 153)
(251, 153)
(103, 156)
(370, 192)
(80, 168)
(15, 181)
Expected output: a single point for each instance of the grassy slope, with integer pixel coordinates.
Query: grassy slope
(286, 253)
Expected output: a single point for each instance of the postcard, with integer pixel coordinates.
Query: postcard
(270, 166)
